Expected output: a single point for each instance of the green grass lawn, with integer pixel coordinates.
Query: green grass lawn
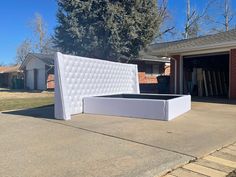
(24, 103)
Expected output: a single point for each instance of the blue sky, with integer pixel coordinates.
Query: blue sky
(15, 16)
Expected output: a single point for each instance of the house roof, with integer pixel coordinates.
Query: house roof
(219, 40)
(148, 57)
(9, 69)
(48, 59)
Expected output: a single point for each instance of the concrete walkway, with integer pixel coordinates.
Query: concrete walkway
(32, 144)
(218, 164)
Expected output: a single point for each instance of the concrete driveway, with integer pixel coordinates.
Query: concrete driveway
(32, 144)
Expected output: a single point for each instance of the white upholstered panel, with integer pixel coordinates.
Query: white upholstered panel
(79, 77)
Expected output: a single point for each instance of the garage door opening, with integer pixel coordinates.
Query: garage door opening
(206, 75)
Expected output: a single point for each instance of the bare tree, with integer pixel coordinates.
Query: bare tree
(43, 43)
(40, 43)
(223, 21)
(22, 51)
(193, 19)
(164, 16)
(188, 15)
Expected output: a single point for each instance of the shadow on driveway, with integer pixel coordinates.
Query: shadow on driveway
(44, 112)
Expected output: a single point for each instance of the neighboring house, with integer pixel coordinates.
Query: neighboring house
(202, 66)
(38, 71)
(150, 67)
(11, 77)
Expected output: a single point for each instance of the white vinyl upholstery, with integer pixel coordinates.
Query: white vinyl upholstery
(78, 77)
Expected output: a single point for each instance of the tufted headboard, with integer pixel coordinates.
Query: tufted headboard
(78, 77)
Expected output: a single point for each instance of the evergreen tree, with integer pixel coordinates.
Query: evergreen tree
(106, 29)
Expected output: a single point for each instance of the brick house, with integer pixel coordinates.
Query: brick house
(149, 67)
(202, 66)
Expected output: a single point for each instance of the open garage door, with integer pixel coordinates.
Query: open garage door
(206, 75)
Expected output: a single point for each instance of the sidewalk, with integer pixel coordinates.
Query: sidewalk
(217, 164)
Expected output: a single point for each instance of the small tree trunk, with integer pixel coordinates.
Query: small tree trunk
(188, 19)
(227, 15)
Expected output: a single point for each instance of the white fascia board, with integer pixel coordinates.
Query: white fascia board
(156, 60)
(26, 61)
(203, 51)
(213, 48)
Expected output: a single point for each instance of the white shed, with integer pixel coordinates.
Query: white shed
(38, 71)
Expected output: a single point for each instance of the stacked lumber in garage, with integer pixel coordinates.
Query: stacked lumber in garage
(211, 82)
(200, 81)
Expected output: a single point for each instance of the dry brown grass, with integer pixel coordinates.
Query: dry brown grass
(11, 100)
(24, 94)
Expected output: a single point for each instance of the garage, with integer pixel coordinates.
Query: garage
(206, 75)
(204, 66)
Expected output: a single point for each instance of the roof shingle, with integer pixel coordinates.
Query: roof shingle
(185, 44)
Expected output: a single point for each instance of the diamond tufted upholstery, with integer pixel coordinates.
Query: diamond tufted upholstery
(78, 77)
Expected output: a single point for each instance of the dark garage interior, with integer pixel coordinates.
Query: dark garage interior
(206, 75)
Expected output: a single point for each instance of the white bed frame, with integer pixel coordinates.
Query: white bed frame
(78, 77)
(158, 109)
(78, 80)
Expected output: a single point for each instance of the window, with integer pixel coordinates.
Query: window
(153, 69)
(156, 69)
(149, 69)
